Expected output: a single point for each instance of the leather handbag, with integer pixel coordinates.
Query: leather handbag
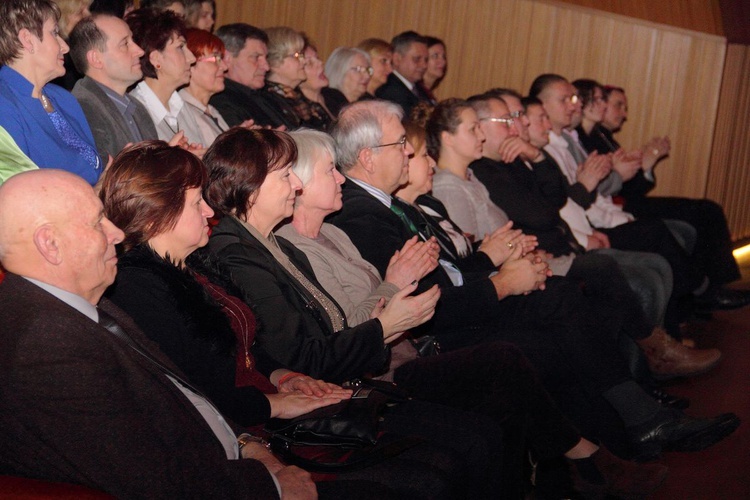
(351, 425)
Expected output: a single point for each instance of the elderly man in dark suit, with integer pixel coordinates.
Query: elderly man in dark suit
(84, 396)
(102, 48)
(409, 66)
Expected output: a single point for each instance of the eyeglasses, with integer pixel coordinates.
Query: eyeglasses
(363, 69)
(297, 55)
(401, 143)
(213, 58)
(518, 114)
(507, 121)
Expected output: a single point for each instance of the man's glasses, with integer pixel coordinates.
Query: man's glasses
(508, 122)
(401, 143)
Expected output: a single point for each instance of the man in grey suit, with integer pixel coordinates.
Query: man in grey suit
(102, 48)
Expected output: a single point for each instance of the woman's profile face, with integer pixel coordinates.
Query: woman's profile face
(290, 71)
(468, 138)
(381, 65)
(315, 78)
(421, 170)
(274, 200)
(174, 62)
(191, 230)
(207, 74)
(437, 61)
(356, 78)
(323, 190)
(49, 51)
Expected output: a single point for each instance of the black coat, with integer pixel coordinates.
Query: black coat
(177, 313)
(296, 331)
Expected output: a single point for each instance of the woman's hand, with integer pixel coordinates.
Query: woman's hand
(308, 385)
(626, 164)
(413, 262)
(501, 244)
(519, 276)
(404, 312)
(654, 150)
(294, 404)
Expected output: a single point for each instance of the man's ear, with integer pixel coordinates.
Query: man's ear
(94, 59)
(47, 244)
(396, 59)
(365, 160)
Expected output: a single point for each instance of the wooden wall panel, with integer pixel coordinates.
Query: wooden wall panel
(729, 179)
(669, 73)
(698, 15)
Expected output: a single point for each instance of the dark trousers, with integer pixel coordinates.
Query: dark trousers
(495, 380)
(652, 235)
(713, 250)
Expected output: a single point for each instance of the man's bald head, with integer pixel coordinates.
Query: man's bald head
(52, 228)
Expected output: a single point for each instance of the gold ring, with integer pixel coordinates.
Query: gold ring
(656, 152)
(510, 245)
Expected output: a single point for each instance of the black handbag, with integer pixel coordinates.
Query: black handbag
(351, 425)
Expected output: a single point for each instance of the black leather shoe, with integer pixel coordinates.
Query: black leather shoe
(720, 298)
(674, 431)
(667, 400)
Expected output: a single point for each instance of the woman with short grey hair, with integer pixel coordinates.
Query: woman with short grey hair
(348, 70)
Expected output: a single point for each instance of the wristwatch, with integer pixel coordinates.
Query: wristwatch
(245, 438)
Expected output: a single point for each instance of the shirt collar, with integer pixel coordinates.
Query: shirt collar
(77, 302)
(154, 105)
(379, 194)
(406, 82)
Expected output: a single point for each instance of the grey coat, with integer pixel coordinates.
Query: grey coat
(111, 133)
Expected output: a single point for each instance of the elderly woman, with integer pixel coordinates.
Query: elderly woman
(206, 79)
(286, 58)
(354, 281)
(349, 70)
(324, 101)
(45, 121)
(166, 67)
(381, 54)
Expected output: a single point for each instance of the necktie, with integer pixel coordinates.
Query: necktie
(402, 215)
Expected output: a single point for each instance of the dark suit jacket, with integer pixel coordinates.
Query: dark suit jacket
(518, 191)
(377, 233)
(394, 90)
(296, 332)
(238, 103)
(79, 405)
(111, 133)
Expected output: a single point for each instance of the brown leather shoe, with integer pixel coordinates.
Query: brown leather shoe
(605, 474)
(668, 358)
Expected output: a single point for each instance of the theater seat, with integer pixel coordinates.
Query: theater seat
(21, 488)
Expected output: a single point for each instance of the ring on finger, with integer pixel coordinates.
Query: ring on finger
(510, 245)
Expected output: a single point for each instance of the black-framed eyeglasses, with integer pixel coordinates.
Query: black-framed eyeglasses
(401, 143)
